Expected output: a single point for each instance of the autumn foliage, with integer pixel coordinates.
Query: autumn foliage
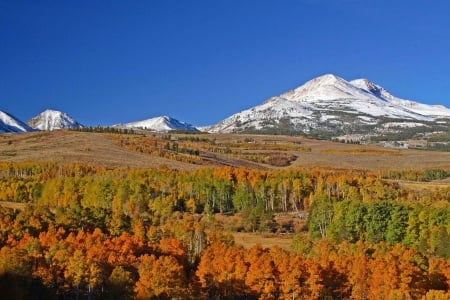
(95, 265)
(85, 232)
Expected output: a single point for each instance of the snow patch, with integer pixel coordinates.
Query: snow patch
(403, 125)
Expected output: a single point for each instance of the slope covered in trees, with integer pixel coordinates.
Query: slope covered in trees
(91, 232)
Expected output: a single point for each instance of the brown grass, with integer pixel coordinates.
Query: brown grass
(71, 146)
(327, 154)
(332, 155)
(248, 240)
(102, 149)
(362, 151)
(13, 205)
(420, 185)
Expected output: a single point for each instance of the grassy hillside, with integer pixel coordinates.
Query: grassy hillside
(189, 152)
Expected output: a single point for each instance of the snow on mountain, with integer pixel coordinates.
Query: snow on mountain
(336, 93)
(326, 87)
(50, 120)
(330, 103)
(416, 107)
(160, 124)
(9, 123)
(372, 88)
(262, 115)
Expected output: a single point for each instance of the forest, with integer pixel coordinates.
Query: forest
(77, 231)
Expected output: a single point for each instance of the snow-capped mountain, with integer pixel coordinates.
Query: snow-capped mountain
(331, 104)
(9, 123)
(50, 120)
(160, 124)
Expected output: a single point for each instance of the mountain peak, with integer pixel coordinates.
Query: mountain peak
(327, 79)
(51, 111)
(362, 83)
(161, 124)
(51, 119)
(324, 80)
(325, 87)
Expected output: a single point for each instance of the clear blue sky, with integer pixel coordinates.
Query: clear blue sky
(108, 62)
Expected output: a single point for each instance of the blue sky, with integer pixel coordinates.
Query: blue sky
(108, 62)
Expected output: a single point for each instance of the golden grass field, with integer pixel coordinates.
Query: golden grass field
(248, 239)
(71, 146)
(102, 149)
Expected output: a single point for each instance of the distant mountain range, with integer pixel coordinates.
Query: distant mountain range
(326, 106)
